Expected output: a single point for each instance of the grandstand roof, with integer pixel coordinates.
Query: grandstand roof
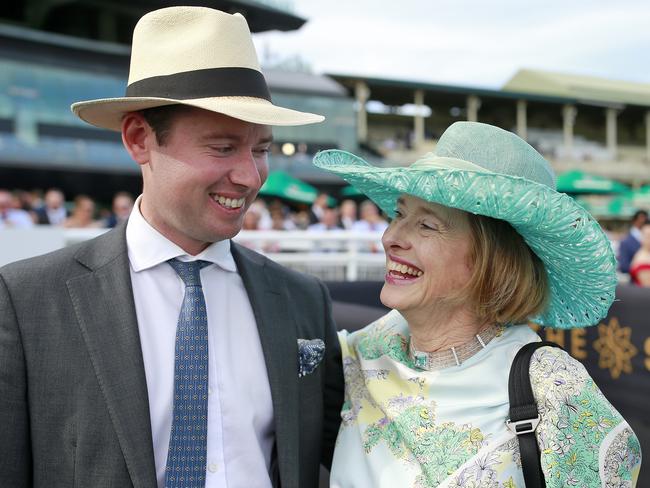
(396, 92)
(308, 83)
(585, 89)
(113, 20)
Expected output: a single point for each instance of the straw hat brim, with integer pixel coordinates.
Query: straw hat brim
(107, 113)
(576, 253)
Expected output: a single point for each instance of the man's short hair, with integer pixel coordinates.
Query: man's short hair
(509, 284)
(638, 214)
(161, 119)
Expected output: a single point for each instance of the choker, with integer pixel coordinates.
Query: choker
(455, 356)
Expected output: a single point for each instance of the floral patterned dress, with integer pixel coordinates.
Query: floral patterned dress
(404, 427)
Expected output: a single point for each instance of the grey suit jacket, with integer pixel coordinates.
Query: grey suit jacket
(74, 409)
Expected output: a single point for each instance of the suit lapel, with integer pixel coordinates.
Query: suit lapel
(103, 303)
(270, 302)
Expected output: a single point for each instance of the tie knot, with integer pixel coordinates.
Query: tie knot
(188, 271)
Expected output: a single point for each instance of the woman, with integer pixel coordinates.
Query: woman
(82, 215)
(640, 265)
(480, 242)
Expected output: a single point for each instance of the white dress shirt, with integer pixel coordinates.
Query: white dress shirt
(241, 431)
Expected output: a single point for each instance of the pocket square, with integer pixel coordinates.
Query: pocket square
(310, 354)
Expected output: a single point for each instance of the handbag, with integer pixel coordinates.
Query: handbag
(524, 416)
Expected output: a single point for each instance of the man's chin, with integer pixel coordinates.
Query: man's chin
(223, 234)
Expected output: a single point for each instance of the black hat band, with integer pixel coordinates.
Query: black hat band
(203, 83)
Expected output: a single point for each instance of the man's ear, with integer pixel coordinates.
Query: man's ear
(137, 137)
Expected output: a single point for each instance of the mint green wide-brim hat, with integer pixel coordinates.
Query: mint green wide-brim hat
(489, 171)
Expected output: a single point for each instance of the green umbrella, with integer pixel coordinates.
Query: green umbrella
(618, 207)
(283, 185)
(633, 200)
(581, 182)
(351, 191)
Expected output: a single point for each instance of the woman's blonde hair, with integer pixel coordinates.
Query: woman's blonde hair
(509, 283)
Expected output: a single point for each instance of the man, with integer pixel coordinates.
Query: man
(318, 208)
(53, 211)
(370, 221)
(161, 354)
(632, 242)
(121, 209)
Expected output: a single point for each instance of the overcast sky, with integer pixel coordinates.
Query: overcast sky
(478, 43)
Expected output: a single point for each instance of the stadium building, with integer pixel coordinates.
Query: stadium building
(53, 53)
(56, 52)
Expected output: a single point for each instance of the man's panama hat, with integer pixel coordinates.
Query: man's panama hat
(488, 171)
(193, 56)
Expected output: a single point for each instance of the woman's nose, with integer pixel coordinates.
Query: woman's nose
(395, 236)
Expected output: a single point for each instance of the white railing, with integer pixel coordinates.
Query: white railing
(331, 255)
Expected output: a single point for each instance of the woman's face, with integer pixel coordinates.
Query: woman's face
(427, 255)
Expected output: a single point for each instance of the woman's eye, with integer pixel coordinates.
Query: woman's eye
(427, 227)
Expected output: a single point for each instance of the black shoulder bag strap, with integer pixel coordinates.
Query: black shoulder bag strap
(524, 415)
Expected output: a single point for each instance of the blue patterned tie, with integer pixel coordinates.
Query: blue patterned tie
(186, 458)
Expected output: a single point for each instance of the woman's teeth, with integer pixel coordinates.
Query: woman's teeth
(403, 268)
(229, 202)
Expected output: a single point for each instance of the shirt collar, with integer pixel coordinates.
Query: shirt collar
(148, 248)
(636, 233)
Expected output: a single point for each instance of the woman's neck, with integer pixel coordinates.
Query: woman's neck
(443, 328)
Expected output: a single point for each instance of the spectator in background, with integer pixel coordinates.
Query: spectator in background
(252, 219)
(10, 215)
(121, 209)
(640, 265)
(83, 213)
(318, 208)
(259, 207)
(348, 214)
(28, 201)
(301, 216)
(53, 211)
(329, 221)
(280, 219)
(632, 242)
(371, 220)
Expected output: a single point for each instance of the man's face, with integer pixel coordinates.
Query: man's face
(641, 219)
(198, 185)
(122, 206)
(53, 199)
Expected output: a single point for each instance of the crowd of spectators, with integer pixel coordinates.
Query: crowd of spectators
(24, 209)
(323, 215)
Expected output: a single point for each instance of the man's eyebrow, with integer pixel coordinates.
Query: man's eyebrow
(266, 140)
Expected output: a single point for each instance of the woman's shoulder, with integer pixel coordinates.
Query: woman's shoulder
(641, 258)
(376, 338)
(581, 435)
(554, 374)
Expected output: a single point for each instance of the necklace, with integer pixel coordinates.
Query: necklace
(455, 356)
